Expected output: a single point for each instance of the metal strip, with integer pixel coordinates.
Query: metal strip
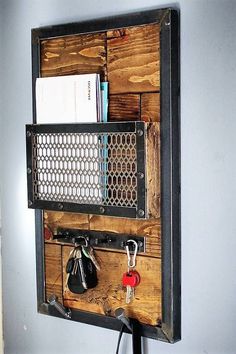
(84, 208)
(29, 167)
(99, 239)
(141, 173)
(111, 127)
(105, 321)
(99, 25)
(170, 178)
(40, 265)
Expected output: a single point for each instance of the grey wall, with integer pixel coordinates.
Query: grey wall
(208, 111)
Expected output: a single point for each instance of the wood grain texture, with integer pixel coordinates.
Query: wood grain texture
(150, 107)
(53, 270)
(109, 294)
(153, 170)
(55, 219)
(124, 107)
(75, 54)
(133, 59)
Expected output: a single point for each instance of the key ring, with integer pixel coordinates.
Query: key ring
(81, 238)
(131, 262)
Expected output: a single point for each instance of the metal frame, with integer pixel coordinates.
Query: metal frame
(170, 328)
(114, 127)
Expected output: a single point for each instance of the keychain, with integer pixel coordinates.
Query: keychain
(131, 278)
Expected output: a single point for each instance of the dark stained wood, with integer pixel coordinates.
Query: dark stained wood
(133, 59)
(150, 107)
(109, 294)
(153, 170)
(76, 54)
(124, 107)
(53, 270)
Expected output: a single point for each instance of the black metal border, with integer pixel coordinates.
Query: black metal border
(170, 177)
(170, 329)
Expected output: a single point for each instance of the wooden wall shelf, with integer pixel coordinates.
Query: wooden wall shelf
(138, 54)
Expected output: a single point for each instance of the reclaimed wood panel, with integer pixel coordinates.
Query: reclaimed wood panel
(150, 107)
(153, 170)
(53, 271)
(109, 294)
(55, 219)
(75, 54)
(133, 59)
(124, 107)
(127, 226)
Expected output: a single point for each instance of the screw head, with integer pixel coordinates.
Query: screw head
(141, 212)
(102, 210)
(60, 206)
(140, 132)
(141, 175)
(28, 133)
(29, 171)
(30, 203)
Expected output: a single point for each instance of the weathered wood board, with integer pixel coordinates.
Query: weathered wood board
(150, 107)
(133, 61)
(53, 270)
(78, 54)
(153, 170)
(124, 107)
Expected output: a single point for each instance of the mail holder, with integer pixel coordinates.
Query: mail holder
(97, 168)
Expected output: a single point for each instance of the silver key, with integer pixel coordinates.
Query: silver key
(129, 294)
(81, 267)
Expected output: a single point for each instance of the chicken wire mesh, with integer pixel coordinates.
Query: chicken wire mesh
(85, 168)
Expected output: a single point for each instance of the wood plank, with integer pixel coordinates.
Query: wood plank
(150, 107)
(53, 270)
(153, 170)
(133, 59)
(109, 294)
(75, 54)
(124, 107)
(55, 219)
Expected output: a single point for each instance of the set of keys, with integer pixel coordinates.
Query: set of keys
(131, 278)
(81, 269)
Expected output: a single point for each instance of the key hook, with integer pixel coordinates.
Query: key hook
(131, 262)
(81, 238)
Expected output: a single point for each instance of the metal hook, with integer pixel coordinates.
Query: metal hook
(82, 238)
(131, 262)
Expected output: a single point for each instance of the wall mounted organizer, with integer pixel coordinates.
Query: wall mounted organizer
(138, 54)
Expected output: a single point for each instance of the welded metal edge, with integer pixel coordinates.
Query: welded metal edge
(170, 177)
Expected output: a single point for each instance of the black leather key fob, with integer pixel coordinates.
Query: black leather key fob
(70, 265)
(90, 272)
(75, 283)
